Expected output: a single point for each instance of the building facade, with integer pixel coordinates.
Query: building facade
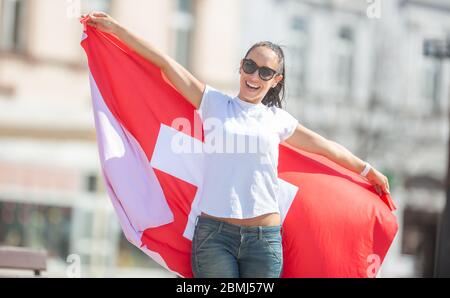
(355, 74)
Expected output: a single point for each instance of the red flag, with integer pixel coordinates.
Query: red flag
(334, 223)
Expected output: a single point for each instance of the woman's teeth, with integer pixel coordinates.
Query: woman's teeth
(252, 86)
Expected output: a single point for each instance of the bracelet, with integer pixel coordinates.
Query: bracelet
(366, 170)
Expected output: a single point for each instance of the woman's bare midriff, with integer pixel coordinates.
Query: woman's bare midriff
(270, 219)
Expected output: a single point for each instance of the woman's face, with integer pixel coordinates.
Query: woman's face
(252, 87)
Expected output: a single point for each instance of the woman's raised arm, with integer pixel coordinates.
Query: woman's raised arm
(190, 87)
(310, 141)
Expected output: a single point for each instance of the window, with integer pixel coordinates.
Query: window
(92, 183)
(184, 5)
(12, 17)
(343, 68)
(432, 77)
(36, 226)
(297, 55)
(183, 24)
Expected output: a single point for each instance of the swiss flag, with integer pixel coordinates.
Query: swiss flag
(334, 223)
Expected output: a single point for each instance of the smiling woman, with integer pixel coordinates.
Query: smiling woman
(238, 232)
(264, 74)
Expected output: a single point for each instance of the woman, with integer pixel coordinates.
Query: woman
(238, 233)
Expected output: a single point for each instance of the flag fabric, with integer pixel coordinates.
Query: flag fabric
(334, 224)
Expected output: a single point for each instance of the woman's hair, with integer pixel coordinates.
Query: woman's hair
(275, 95)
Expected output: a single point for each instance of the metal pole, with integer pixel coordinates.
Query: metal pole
(442, 262)
(440, 49)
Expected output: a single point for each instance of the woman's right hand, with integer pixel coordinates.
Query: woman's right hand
(190, 87)
(102, 22)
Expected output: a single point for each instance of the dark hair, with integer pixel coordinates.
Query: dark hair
(275, 95)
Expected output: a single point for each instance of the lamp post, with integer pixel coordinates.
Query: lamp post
(440, 50)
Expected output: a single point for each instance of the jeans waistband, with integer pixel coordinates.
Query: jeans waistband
(237, 229)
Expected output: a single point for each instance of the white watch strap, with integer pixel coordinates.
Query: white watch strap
(366, 170)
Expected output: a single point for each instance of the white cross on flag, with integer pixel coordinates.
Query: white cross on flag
(334, 223)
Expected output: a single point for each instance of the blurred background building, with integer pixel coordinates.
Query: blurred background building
(355, 74)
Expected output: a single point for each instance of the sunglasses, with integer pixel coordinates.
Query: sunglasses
(265, 73)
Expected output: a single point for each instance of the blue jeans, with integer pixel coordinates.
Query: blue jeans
(220, 249)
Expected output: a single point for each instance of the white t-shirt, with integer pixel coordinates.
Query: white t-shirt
(241, 155)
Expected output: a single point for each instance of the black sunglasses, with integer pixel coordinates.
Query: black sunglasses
(265, 73)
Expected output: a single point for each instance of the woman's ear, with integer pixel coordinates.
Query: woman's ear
(277, 80)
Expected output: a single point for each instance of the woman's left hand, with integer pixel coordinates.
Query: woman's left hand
(379, 181)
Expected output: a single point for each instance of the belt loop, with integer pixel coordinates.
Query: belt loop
(260, 233)
(220, 228)
(196, 220)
